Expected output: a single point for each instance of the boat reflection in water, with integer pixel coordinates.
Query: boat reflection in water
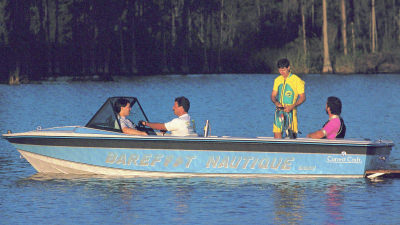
(100, 147)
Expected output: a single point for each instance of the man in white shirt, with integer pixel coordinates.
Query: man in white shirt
(180, 126)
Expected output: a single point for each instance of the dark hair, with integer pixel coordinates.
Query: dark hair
(121, 102)
(283, 63)
(184, 102)
(335, 105)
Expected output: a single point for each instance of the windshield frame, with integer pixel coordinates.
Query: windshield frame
(106, 118)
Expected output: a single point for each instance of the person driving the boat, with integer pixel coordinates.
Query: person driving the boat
(334, 127)
(287, 94)
(180, 126)
(123, 108)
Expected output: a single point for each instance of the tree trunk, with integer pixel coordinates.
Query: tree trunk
(84, 37)
(93, 63)
(122, 47)
(373, 27)
(133, 13)
(164, 60)
(353, 38)
(174, 10)
(43, 67)
(14, 76)
(361, 44)
(49, 53)
(185, 34)
(92, 27)
(221, 23)
(344, 23)
(398, 27)
(303, 22)
(327, 67)
(258, 8)
(210, 44)
(203, 40)
(56, 63)
(107, 62)
(312, 13)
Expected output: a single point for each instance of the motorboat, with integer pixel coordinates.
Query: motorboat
(100, 147)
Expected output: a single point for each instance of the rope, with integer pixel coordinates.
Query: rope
(285, 121)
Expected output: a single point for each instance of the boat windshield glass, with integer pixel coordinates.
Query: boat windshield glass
(106, 117)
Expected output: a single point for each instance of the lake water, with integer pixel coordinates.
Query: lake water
(236, 105)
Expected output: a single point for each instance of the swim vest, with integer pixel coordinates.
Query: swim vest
(342, 130)
(288, 91)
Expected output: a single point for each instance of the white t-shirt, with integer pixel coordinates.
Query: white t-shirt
(180, 126)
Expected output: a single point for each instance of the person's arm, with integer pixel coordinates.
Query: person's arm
(132, 131)
(155, 126)
(273, 99)
(300, 100)
(317, 134)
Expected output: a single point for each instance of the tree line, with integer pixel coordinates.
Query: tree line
(41, 39)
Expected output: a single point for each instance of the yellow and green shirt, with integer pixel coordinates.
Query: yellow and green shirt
(288, 91)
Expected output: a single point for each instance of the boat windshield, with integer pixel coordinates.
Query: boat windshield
(106, 117)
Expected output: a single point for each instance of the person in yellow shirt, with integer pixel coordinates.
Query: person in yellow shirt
(287, 94)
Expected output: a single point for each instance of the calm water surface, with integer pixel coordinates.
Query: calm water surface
(236, 105)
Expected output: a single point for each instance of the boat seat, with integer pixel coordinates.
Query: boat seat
(112, 123)
(116, 125)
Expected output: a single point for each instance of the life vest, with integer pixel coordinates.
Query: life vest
(342, 130)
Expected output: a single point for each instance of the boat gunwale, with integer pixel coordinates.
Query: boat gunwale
(51, 133)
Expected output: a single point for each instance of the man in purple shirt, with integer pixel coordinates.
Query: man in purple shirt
(334, 127)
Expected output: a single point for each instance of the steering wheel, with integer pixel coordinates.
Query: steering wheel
(148, 130)
(140, 126)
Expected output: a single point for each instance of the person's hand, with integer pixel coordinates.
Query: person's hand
(288, 108)
(278, 104)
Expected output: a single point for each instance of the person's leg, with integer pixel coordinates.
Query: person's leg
(278, 135)
(277, 125)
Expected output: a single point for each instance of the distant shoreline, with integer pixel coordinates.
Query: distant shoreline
(111, 78)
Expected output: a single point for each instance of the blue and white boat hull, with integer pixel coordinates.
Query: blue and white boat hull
(82, 150)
